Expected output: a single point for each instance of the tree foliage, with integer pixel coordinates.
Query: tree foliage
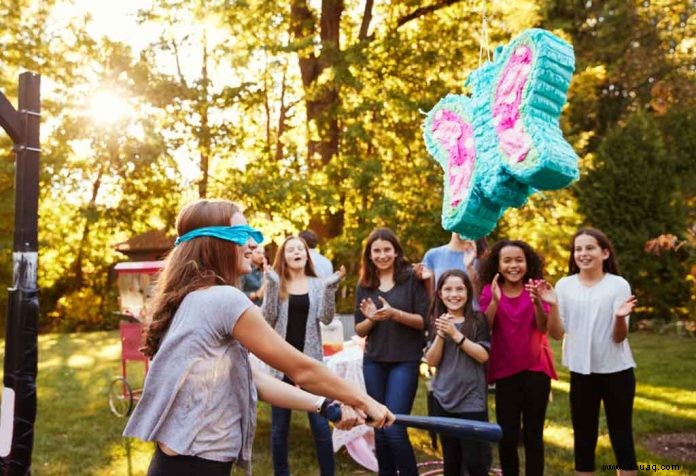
(629, 117)
(309, 114)
(632, 194)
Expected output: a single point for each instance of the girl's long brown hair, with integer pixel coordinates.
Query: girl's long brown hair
(609, 265)
(195, 264)
(281, 267)
(369, 278)
(472, 320)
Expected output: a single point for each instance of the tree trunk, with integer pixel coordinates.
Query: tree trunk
(79, 277)
(204, 137)
(322, 100)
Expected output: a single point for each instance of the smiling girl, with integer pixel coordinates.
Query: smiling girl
(521, 364)
(459, 349)
(294, 302)
(391, 307)
(594, 304)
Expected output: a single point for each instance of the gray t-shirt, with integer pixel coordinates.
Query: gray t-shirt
(460, 381)
(199, 398)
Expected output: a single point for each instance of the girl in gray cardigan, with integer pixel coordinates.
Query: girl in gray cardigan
(295, 301)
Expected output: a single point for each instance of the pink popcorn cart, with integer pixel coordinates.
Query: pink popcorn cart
(136, 281)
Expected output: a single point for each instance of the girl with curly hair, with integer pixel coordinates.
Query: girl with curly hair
(521, 364)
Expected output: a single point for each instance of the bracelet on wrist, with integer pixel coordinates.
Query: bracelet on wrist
(461, 341)
(320, 403)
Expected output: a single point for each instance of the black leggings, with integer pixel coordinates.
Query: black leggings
(617, 391)
(459, 453)
(165, 465)
(522, 398)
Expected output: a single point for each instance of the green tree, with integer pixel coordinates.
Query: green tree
(309, 114)
(631, 194)
(30, 42)
(110, 178)
(633, 59)
(364, 82)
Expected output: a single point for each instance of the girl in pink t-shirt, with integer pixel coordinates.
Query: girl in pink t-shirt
(520, 364)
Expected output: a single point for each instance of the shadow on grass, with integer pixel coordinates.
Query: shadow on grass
(664, 403)
(76, 433)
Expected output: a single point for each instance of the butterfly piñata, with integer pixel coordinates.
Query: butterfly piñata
(504, 142)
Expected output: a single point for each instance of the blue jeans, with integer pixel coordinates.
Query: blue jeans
(394, 384)
(280, 429)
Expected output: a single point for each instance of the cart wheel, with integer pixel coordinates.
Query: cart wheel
(120, 397)
(430, 468)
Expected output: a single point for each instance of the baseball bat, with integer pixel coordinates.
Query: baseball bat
(456, 427)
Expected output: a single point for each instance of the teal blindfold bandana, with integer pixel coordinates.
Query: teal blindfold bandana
(238, 234)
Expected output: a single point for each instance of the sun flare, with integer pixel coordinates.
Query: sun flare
(107, 107)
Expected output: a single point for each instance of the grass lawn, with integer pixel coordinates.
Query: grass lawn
(76, 433)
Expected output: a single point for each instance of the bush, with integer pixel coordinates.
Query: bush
(82, 310)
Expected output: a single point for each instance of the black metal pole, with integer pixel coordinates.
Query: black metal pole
(18, 410)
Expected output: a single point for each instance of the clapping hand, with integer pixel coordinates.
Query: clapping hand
(445, 325)
(269, 274)
(336, 276)
(369, 310)
(496, 293)
(626, 308)
(384, 312)
(470, 254)
(541, 290)
(422, 272)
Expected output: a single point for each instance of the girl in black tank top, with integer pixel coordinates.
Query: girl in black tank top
(300, 304)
